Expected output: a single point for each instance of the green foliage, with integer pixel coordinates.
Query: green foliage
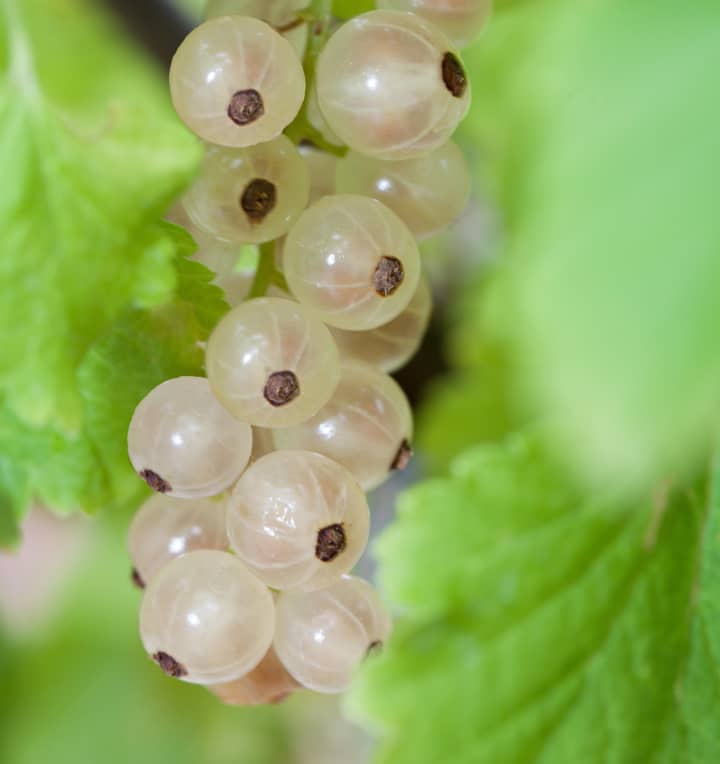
(554, 627)
(604, 144)
(93, 158)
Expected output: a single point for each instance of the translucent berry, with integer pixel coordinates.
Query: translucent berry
(183, 443)
(427, 194)
(268, 683)
(249, 195)
(164, 528)
(461, 20)
(321, 637)
(352, 261)
(206, 619)
(272, 363)
(298, 520)
(391, 346)
(236, 82)
(391, 85)
(282, 15)
(366, 426)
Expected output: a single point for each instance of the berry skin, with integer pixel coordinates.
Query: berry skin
(461, 20)
(321, 637)
(271, 363)
(250, 195)
(236, 82)
(352, 261)
(206, 619)
(268, 683)
(366, 426)
(427, 194)
(183, 443)
(391, 85)
(391, 346)
(165, 528)
(282, 15)
(298, 520)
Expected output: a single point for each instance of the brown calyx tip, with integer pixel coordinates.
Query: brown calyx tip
(281, 388)
(388, 275)
(245, 107)
(453, 75)
(169, 665)
(374, 648)
(403, 456)
(155, 481)
(331, 542)
(258, 199)
(137, 579)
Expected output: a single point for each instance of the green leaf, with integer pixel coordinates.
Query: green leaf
(607, 141)
(94, 155)
(543, 625)
(89, 470)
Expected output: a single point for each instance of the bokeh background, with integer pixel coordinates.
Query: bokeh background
(556, 592)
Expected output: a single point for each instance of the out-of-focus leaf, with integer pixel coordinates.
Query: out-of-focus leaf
(604, 127)
(543, 625)
(92, 154)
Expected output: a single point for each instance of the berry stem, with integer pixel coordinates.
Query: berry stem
(266, 273)
(319, 16)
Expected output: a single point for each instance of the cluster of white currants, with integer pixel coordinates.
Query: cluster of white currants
(261, 468)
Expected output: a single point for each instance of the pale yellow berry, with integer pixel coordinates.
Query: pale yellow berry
(183, 443)
(236, 82)
(391, 346)
(391, 85)
(366, 426)
(322, 637)
(298, 520)
(352, 261)
(272, 363)
(206, 619)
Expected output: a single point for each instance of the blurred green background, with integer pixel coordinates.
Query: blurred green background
(556, 571)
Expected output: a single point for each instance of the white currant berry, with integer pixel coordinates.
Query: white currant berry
(269, 682)
(206, 619)
(249, 195)
(352, 261)
(391, 346)
(322, 168)
(366, 426)
(183, 443)
(282, 15)
(164, 528)
(428, 193)
(298, 520)
(236, 82)
(272, 363)
(461, 20)
(321, 637)
(391, 85)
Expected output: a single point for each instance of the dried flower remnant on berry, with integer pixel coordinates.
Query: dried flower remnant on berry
(403, 456)
(454, 75)
(258, 199)
(281, 388)
(137, 579)
(331, 542)
(374, 648)
(155, 481)
(169, 665)
(245, 107)
(388, 275)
